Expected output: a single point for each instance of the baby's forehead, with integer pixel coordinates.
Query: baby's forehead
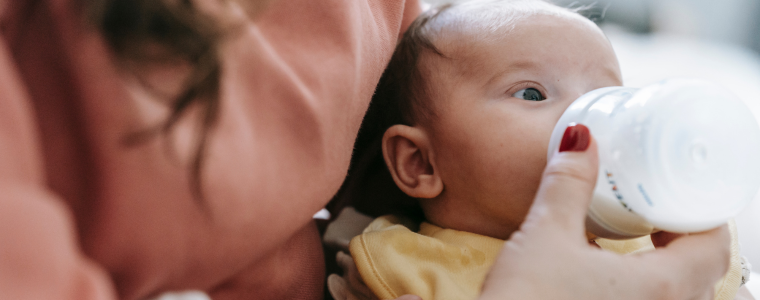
(481, 19)
(466, 33)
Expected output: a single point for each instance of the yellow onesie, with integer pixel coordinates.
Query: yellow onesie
(442, 264)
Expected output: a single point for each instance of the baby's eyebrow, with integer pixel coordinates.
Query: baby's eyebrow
(515, 66)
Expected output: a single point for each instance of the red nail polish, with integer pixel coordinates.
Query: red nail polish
(576, 138)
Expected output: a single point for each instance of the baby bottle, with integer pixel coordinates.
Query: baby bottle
(679, 155)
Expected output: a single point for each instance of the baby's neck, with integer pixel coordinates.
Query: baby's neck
(469, 221)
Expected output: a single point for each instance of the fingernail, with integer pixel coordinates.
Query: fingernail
(576, 138)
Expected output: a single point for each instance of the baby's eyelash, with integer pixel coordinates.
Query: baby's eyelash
(526, 84)
(527, 91)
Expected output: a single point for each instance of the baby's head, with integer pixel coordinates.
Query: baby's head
(470, 99)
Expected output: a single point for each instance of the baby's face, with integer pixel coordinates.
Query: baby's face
(496, 101)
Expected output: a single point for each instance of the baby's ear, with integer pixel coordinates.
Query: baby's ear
(410, 159)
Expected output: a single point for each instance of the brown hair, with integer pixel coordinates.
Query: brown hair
(162, 32)
(401, 97)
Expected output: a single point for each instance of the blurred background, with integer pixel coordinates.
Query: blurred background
(732, 22)
(714, 40)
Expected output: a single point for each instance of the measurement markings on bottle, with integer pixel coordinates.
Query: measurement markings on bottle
(645, 195)
(615, 191)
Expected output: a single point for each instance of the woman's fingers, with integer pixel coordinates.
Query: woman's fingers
(567, 186)
(690, 265)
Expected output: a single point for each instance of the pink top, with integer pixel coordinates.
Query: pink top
(77, 206)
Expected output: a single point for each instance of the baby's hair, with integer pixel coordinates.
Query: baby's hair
(403, 95)
(399, 94)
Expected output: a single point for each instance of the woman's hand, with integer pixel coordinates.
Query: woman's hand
(549, 258)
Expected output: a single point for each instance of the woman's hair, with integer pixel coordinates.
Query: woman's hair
(150, 32)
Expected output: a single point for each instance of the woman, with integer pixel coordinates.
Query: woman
(153, 145)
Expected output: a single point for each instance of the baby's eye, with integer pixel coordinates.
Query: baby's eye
(529, 94)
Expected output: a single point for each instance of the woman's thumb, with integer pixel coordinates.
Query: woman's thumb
(567, 184)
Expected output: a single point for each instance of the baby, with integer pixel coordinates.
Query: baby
(465, 110)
